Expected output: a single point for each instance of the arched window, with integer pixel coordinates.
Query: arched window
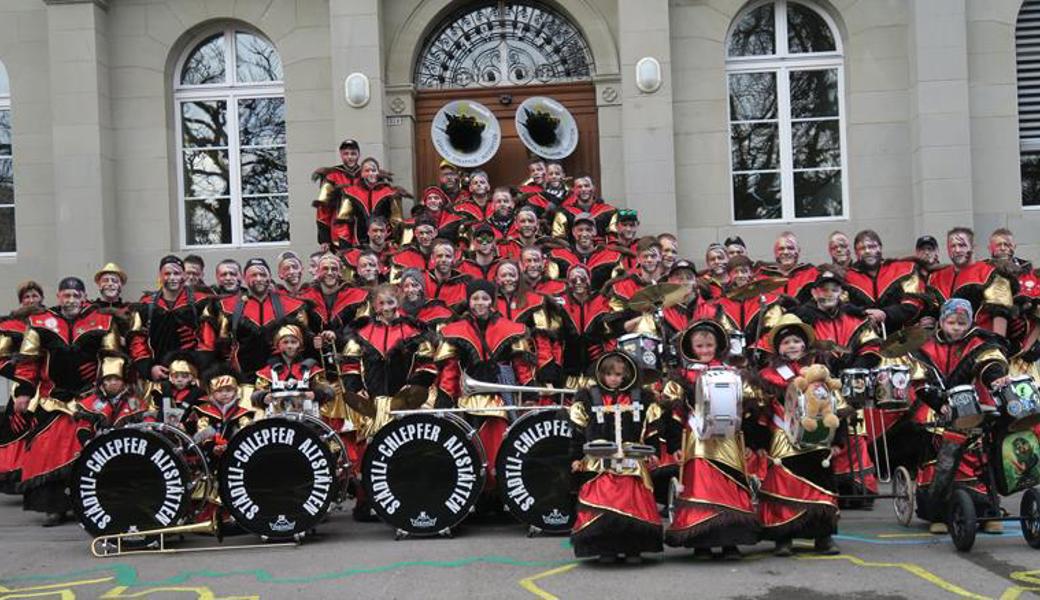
(230, 106)
(785, 74)
(1027, 51)
(7, 240)
(489, 44)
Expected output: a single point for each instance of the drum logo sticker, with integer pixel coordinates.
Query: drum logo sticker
(424, 520)
(556, 518)
(160, 458)
(282, 524)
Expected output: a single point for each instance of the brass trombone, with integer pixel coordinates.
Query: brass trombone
(471, 386)
(105, 546)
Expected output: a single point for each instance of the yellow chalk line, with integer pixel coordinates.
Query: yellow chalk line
(911, 568)
(528, 582)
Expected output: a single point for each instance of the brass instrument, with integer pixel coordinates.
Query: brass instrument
(471, 386)
(106, 546)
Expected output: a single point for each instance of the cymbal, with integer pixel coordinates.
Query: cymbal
(661, 295)
(756, 288)
(364, 406)
(409, 397)
(903, 342)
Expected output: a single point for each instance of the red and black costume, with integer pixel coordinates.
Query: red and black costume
(451, 291)
(585, 331)
(542, 317)
(336, 310)
(799, 279)
(990, 290)
(895, 287)
(604, 214)
(474, 270)
(14, 427)
(330, 196)
(159, 327)
(362, 201)
(602, 262)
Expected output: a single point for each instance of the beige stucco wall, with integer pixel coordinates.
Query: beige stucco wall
(930, 117)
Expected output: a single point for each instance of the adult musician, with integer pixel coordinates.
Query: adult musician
(333, 181)
(988, 288)
(890, 291)
(786, 252)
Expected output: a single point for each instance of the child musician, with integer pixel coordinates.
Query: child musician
(713, 507)
(221, 414)
(291, 372)
(797, 498)
(112, 402)
(176, 397)
(617, 514)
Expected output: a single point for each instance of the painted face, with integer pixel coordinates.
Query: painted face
(443, 257)
(172, 277)
(584, 190)
(579, 282)
(291, 273)
(377, 234)
(868, 251)
(740, 276)
(479, 186)
(386, 306)
(71, 302)
(258, 281)
(502, 203)
(434, 202)
(669, 252)
(955, 325)
(1002, 247)
(370, 172)
(717, 260)
(536, 171)
(506, 278)
(584, 234)
(109, 286)
(485, 243)
(649, 260)
(480, 304)
(527, 223)
(827, 295)
(628, 230)
(412, 289)
(449, 179)
(927, 255)
(112, 385)
(192, 274)
(31, 298)
(329, 273)
(368, 268)
(736, 250)
(792, 347)
(228, 277)
(349, 156)
(786, 251)
(289, 345)
(533, 263)
(554, 174)
(839, 249)
(704, 346)
(425, 234)
(959, 248)
(180, 380)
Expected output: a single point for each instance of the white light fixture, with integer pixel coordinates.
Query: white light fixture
(648, 75)
(356, 89)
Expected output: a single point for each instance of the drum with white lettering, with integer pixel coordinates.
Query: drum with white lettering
(424, 472)
(533, 471)
(135, 478)
(279, 476)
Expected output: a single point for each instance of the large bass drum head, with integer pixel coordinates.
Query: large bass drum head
(533, 470)
(277, 478)
(130, 480)
(423, 473)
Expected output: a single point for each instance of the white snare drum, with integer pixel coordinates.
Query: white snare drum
(737, 343)
(857, 386)
(965, 408)
(290, 401)
(1021, 402)
(892, 387)
(795, 410)
(717, 404)
(644, 349)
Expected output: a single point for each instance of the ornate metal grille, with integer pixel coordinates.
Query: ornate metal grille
(503, 43)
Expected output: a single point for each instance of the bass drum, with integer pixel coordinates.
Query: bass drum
(533, 471)
(279, 476)
(424, 472)
(136, 478)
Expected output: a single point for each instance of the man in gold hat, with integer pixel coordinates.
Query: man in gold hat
(110, 281)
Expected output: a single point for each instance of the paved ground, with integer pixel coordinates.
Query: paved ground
(881, 560)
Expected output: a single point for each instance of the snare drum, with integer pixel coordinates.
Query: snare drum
(290, 401)
(737, 343)
(533, 471)
(136, 478)
(718, 404)
(644, 349)
(794, 412)
(856, 386)
(279, 476)
(1021, 403)
(965, 408)
(424, 472)
(892, 387)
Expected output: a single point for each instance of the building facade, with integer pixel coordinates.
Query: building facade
(133, 128)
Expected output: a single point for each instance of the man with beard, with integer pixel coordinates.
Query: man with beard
(229, 278)
(57, 363)
(443, 281)
(535, 273)
(290, 272)
(165, 321)
(890, 291)
(524, 233)
(501, 219)
(603, 262)
(332, 304)
(450, 183)
(989, 289)
(243, 326)
(378, 243)
(417, 253)
(926, 251)
(555, 189)
(477, 204)
(483, 261)
(716, 276)
(333, 181)
(432, 313)
(839, 249)
(585, 200)
(799, 275)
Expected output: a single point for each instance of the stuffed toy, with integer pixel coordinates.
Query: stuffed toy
(817, 385)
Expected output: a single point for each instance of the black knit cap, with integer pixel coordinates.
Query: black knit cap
(72, 283)
(480, 285)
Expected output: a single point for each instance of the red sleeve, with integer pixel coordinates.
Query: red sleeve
(449, 380)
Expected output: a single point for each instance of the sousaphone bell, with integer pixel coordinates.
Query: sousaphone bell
(466, 133)
(546, 127)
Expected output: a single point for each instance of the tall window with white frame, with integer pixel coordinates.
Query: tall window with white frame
(230, 109)
(7, 239)
(785, 73)
(1027, 53)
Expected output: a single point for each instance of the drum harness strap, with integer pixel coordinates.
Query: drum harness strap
(191, 303)
(240, 307)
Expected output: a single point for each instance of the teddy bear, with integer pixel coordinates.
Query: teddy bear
(816, 384)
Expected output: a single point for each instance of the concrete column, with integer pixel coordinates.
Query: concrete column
(646, 119)
(356, 46)
(940, 128)
(82, 135)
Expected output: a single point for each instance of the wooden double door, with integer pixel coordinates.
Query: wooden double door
(509, 166)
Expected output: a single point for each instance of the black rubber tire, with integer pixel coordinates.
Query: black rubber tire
(962, 522)
(1030, 513)
(903, 492)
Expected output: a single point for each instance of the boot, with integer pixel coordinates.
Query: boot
(825, 545)
(783, 548)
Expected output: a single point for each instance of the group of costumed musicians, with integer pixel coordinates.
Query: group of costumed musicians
(533, 285)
